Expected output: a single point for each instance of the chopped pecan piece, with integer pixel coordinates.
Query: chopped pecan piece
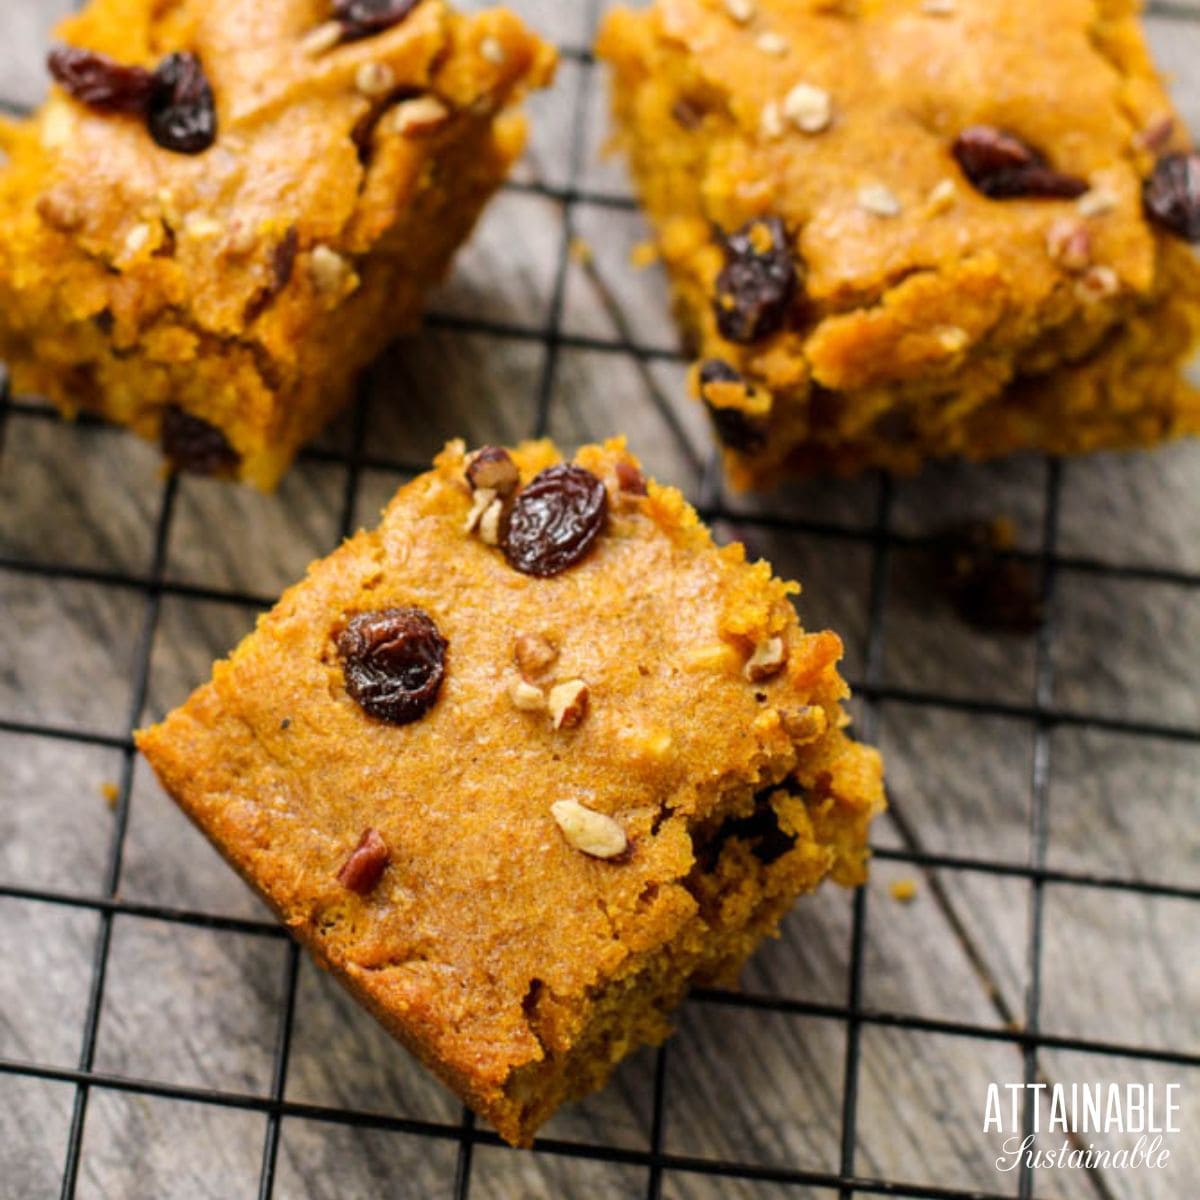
(360, 873)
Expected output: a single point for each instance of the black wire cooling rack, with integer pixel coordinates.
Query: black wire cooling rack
(1021, 1029)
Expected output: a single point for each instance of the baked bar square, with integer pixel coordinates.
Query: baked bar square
(905, 229)
(226, 208)
(525, 762)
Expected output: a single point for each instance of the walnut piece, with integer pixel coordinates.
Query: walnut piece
(481, 501)
(493, 467)
(527, 697)
(767, 660)
(489, 523)
(533, 654)
(568, 703)
(589, 831)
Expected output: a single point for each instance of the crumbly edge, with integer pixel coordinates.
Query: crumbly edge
(739, 901)
(975, 404)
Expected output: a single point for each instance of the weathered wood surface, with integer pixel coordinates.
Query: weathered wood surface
(190, 1006)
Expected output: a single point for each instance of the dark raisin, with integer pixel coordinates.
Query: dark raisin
(735, 428)
(1002, 167)
(493, 467)
(757, 283)
(362, 18)
(99, 82)
(283, 262)
(989, 588)
(362, 870)
(182, 114)
(554, 521)
(190, 443)
(394, 663)
(1172, 195)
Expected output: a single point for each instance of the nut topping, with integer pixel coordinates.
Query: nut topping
(878, 199)
(374, 79)
(481, 501)
(568, 704)
(809, 108)
(492, 49)
(1098, 283)
(588, 831)
(328, 269)
(324, 37)
(489, 523)
(533, 654)
(1172, 195)
(1002, 166)
(1069, 243)
(527, 696)
(804, 724)
(394, 662)
(493, 467)
(421, 114)
(630, 480)
(361, 871)
(767, 660)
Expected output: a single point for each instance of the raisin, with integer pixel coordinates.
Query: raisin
(191, 443)
(362, 18)
(394, 663)
(362, 870)
(554, 521)
(988, 588)
(182, 114)
(99, 82)
(1002, 167)
(736, 429)
(283, 263)
(1172, 195)
(757, 283)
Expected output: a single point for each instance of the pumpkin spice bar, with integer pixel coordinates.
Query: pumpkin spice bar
(902, 229)
(525, 762)
(226, 208)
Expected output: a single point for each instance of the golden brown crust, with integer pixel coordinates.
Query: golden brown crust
(132, 277)
(933, 320)
(515, 965)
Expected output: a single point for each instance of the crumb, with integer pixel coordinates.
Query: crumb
(581, 251)
(903, 891)
(110, 792)
(644, 254)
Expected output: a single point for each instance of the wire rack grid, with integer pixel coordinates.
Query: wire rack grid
(655, 1164)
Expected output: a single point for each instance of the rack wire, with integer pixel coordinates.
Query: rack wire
(1023, 1030)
